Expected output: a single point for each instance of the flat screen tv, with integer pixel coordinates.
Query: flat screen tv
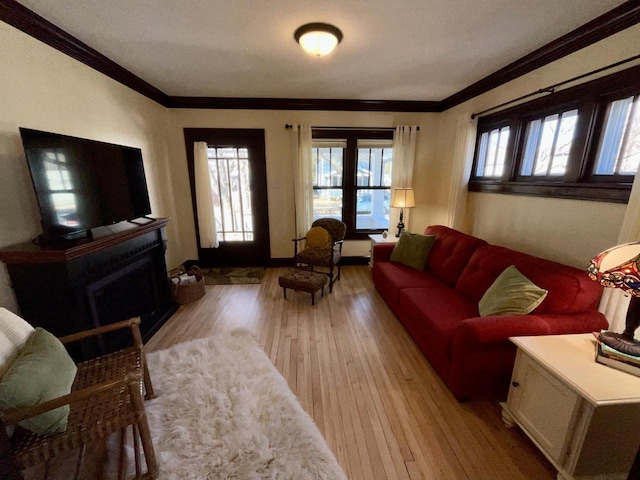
(82, 184)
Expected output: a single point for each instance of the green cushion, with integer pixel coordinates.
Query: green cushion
(511, 294)
(43, 370)
(412, 250)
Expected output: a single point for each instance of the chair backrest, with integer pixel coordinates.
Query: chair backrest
(336, 228)
(14, 333)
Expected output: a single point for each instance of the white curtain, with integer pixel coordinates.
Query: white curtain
(204, 197)
(302, 177)
(404, 152)
(614, 303)
(461, 170)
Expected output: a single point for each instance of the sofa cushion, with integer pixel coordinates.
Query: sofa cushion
(412, 250)
(450, 253)
(439, 311)
(393, 277)
(511, 294)
(42, 371)
(570, 289)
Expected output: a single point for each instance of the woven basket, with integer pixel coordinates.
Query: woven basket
(186, 293)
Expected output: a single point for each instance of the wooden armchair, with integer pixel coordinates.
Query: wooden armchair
(323, 247)
(106, 397)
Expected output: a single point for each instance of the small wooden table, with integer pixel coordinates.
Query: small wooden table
(378, 238)
(583, 416)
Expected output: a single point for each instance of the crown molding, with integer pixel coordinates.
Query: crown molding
(303, 104)
(614, 21)
(20, 17)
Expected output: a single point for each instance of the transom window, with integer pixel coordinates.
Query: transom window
(548, 142)
(351, 172)
(492, 151)
(582, 142)
(619, 152)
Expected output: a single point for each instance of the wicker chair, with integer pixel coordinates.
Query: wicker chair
(317, 253)
(106, 397)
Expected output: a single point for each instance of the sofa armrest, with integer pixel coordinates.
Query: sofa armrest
(382, 252)
(494, 329)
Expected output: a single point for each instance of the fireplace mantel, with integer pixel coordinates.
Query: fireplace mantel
(117, 273)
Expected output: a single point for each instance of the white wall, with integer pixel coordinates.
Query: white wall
(280, 163)
(569, 231)
(44, 89)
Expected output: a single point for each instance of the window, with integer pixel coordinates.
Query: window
(619, 152)
(492, 152)
(547, 144)
(582, 142)
(352, 178)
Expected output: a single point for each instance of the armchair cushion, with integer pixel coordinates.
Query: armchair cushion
(319, 238)
(42, 371)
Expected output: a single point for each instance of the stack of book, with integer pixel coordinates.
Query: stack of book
(616, 359)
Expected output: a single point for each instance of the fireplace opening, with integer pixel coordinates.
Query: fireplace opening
(128, 292)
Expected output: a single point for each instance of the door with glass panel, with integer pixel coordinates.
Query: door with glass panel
(236, 161)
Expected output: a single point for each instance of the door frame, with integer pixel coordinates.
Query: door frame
(258, 251)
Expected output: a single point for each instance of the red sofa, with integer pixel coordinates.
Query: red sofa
(439, 307)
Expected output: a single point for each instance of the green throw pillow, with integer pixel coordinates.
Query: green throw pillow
(43, 370)
(413, 249)
(511, 294)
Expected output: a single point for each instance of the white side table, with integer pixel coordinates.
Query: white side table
(584, 416)
(377, 238)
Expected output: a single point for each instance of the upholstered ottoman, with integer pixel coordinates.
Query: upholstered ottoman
(303, 281)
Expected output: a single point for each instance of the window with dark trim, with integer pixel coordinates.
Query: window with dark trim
(582, 142)
(352, 178)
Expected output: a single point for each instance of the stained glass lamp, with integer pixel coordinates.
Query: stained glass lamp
(617, 267)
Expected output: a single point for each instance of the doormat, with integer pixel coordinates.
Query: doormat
(233, 276)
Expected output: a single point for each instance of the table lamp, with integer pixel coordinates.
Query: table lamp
(617, 267)
(402, 198)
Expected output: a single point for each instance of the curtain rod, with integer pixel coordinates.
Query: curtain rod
(288, 126)
(551, 88)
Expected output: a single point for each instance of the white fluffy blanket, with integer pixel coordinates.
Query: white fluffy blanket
(223, 411)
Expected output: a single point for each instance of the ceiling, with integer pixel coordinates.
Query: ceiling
(420, 50)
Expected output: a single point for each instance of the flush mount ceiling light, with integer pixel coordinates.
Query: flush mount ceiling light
(318, 39)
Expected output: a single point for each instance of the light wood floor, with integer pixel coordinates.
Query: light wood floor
(382, 409)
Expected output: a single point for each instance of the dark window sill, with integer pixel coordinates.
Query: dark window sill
(614, 193)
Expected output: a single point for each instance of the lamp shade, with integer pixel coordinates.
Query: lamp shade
(402, 198)
(318, 39)
(617, 267)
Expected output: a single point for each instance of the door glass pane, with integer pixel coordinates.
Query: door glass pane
(327, 203)
(230, 185)
(372, 209)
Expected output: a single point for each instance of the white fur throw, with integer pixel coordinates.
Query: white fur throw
(223, 411)
(14, 333)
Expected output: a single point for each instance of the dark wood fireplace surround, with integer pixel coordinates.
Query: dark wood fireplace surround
(93, 282)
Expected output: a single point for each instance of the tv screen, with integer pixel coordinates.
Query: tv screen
(81, 184)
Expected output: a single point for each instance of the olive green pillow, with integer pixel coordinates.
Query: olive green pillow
(43, 370)
(413, 250)
(511, 294)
